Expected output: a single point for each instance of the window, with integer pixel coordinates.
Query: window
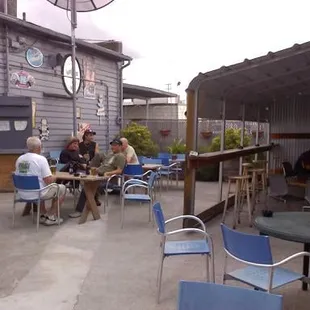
(20, 125)
(4, 125)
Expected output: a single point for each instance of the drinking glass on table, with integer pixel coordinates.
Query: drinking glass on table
(53, 169)
(93, 171)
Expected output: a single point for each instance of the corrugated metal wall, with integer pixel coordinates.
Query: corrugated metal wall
(57, 111)
(290, 116)
(159, 112)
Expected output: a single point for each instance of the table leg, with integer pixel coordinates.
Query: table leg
(305, 270)
(90, 189)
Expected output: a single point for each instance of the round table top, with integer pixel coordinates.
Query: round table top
(290, 226)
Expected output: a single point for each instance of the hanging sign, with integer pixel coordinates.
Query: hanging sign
(22, 79)
(34, 57)
(67, 75)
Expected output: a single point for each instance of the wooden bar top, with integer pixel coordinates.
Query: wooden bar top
(216, 157)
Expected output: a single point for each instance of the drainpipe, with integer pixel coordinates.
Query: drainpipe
(220, 192)
(121, 92)
(107, 118)
(7, 52)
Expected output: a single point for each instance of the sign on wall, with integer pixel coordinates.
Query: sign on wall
(67, 75)
(89, 78)
(34, 57)
(22, 79)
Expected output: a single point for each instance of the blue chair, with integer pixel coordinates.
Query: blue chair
(253, 250)
(30, 184)
(55, 155)
(168, 171)
(164, 155)
(210, 296)
(203, 246)
(180, 156)
(148, 197)
(116, 181)
(152, 161)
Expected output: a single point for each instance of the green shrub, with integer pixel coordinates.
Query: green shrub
(140, 138)
(177, 147)
(232, 140)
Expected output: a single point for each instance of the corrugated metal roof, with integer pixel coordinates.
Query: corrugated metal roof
(257, 83)
(131, 91)
(24, 26)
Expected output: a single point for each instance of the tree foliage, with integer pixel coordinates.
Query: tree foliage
(140, 138)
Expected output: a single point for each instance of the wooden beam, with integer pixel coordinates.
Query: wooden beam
(292, 135)
(191, 145)
(216, 157)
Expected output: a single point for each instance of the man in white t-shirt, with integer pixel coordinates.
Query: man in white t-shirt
(129, 152)
(32, 163)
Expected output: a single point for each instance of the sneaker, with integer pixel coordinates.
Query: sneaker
(52, 220)
(75, 214)
(42, 218)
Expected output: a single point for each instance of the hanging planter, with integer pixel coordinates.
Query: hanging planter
(165, 132)
(206, 134)
(260, 134)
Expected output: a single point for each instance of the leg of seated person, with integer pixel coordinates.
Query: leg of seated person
(80, 205)
(50, 217)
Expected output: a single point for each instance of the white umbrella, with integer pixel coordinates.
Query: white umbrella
(77, 6)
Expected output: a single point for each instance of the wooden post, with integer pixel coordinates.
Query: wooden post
(191, 145)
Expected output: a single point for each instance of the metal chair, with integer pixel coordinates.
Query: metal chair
(203, 246)
(148, 197)
(278, 189)
(254, 250)
(54, 155)
(116, 181)
(210, 296)
(30, 184)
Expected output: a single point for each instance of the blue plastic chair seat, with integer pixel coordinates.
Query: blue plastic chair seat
(258, 277)
(137, 197)
(186, 247)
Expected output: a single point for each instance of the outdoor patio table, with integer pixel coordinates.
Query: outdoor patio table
(90, 184)
(290, 226)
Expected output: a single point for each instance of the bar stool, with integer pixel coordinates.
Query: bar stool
(241, 191)
(246, 167)
(258, 184)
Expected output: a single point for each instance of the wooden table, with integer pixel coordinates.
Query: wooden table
(290, 226)
(153, 167)
(90, 184)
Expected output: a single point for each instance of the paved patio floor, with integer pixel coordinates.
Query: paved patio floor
(99, 266)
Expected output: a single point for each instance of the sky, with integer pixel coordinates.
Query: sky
(171, 41)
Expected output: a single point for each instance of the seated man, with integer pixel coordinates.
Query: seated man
(113, 163)
(32, 163)
(303, 164)
(129, 152)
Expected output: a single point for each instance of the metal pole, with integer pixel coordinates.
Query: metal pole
(242, 136)
(220, 193)
(147, 112)
(73, 26)
(257, 133)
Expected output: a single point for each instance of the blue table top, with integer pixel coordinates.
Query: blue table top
(290, 226)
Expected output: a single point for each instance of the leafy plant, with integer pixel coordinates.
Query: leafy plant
(177, 147)
(140, 138)
(232, 140)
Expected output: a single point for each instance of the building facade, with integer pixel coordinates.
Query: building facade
(36, 87)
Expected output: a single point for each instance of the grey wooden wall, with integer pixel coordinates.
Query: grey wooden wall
(57, 111)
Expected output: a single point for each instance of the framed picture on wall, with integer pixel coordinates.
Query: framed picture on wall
(78, 112)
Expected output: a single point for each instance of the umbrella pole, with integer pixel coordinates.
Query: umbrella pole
(73, 27)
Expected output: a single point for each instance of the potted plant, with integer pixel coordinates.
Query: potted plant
(165, 132)
(177, 147)
(206, 134)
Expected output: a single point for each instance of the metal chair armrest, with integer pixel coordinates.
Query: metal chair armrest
(135, 186)
(146, 173)
(285, 260)
(112, 177)
(183, 230)
(187, 217)
(137, 181)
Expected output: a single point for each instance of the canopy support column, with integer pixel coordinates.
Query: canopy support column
(257, 132)
(242, 135)
(220, 192)
(191, 145)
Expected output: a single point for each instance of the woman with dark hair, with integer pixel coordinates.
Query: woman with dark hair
(88, 147)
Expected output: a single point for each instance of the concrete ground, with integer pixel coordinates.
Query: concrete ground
(98, 266)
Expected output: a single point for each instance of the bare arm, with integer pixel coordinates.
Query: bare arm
(50, 179)
(117, 171)
(97, 148)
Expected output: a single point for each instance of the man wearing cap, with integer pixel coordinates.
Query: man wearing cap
(113, 163)
(129, 152)
(88, 147)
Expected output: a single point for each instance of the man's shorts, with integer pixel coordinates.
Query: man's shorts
(51, 192)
